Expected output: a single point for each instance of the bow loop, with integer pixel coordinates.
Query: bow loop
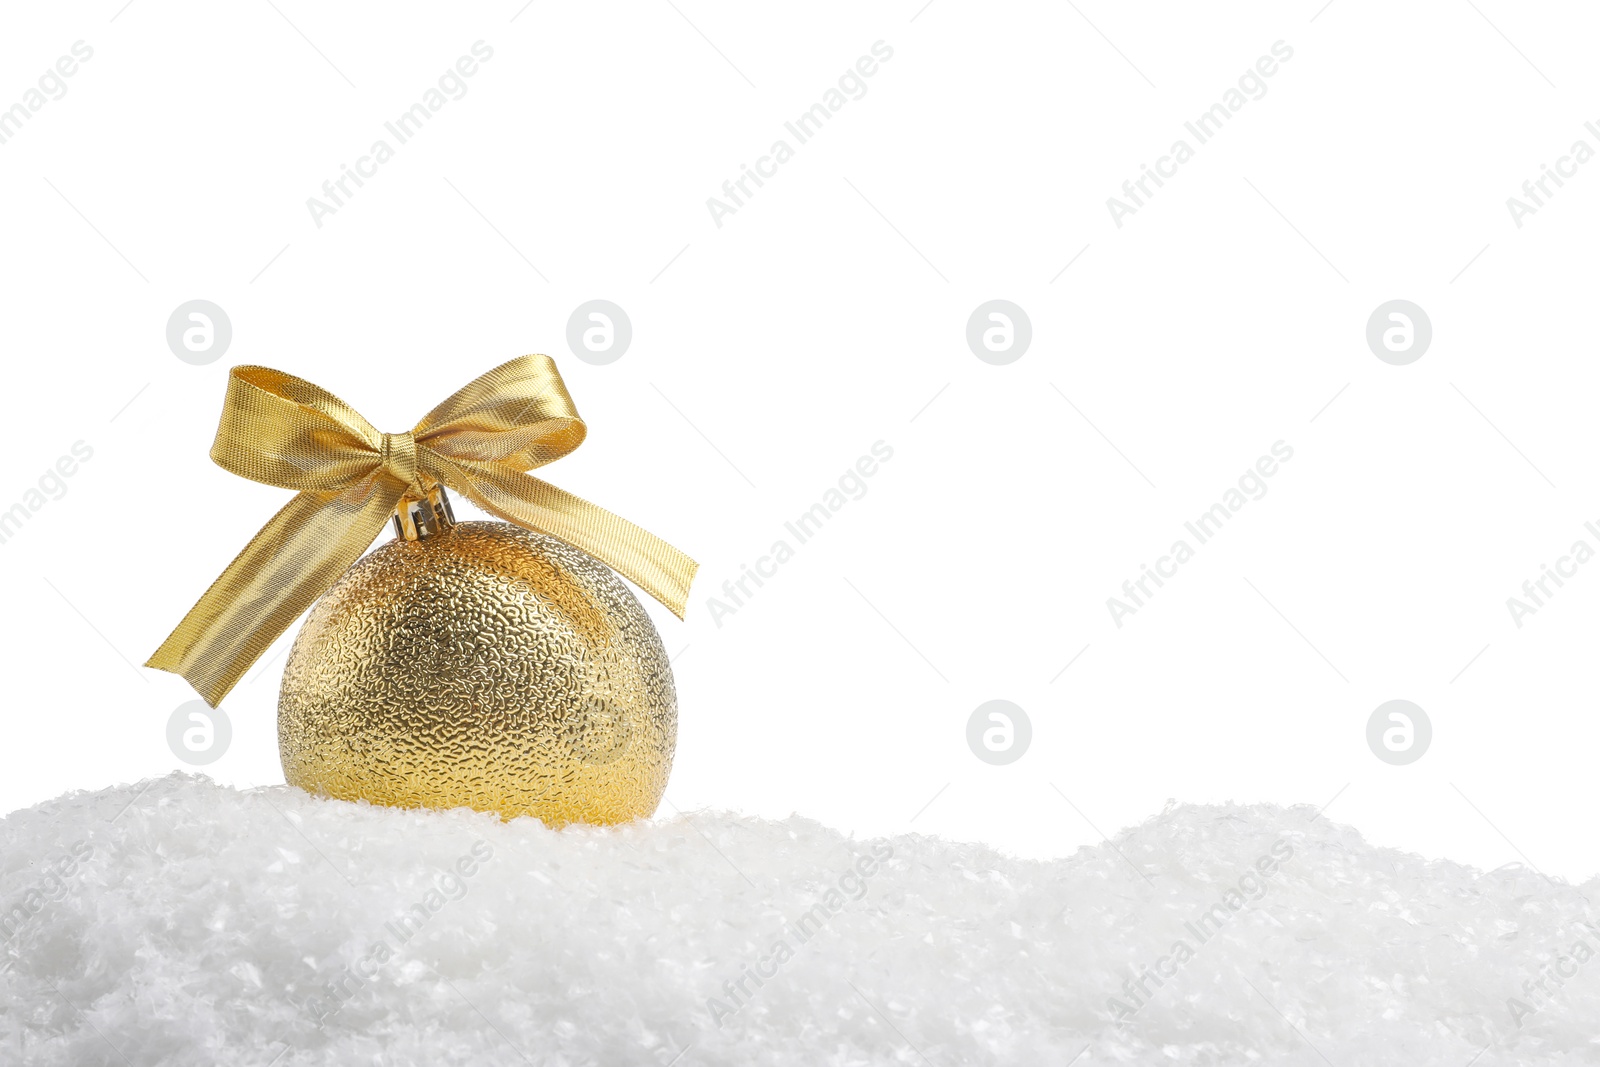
(284, 431)
(519, 414)
(287, 432)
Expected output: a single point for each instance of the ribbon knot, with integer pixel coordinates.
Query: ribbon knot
(400, 462)
(284, 431)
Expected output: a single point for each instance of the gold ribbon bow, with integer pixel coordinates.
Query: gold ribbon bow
(284, 431)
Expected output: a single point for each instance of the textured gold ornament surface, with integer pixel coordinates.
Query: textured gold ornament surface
(489, 666)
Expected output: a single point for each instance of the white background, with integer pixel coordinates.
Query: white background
(829, 313)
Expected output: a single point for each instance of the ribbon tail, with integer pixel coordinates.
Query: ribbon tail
(292, 561)
(635, 553)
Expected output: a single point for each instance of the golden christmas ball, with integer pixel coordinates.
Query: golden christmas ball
(481, 665)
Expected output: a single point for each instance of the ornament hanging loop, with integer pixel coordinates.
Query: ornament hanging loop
(416, 520)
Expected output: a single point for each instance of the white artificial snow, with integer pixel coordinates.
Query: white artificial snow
(180, 922)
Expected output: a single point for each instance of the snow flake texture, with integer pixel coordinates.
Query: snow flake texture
(181, 922)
